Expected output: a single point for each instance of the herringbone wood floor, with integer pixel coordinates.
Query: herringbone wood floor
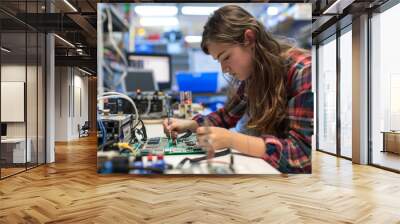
(70, 191)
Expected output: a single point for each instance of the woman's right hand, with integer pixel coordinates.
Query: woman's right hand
(177, 126)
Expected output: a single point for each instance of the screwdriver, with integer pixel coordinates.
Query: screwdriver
(169, 123)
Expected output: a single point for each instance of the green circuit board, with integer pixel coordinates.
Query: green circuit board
(168, 146)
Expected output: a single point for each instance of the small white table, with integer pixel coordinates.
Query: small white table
(18, 150)
(242, 164)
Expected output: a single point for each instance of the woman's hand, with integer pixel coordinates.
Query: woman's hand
(213, 138)
(177, 126)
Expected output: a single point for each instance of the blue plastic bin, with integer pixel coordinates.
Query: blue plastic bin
(203, 82)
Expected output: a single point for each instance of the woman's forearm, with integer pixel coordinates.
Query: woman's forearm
(247, 144)
(192, 125)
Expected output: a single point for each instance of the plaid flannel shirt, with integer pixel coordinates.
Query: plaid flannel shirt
(291, 154)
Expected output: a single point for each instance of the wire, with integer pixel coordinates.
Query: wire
(125, 145)
(103, 131)
(148, 106)
(102, 128)
(215, 162)
(108, 143)
(243, 154)
(115, 46)
(108, 95)
(142, 132)
(187, 134)
(197, 160)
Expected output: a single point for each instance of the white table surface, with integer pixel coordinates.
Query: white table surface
(13, 140)
(242, 164)
(19, 150)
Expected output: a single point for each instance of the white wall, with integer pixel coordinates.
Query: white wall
(61, 103)
(80, 110)
(71, 102)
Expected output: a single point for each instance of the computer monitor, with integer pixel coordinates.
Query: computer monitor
(160, 64)
(3, 129)
(140, 79)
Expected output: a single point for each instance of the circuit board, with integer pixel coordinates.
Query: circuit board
(166, 146)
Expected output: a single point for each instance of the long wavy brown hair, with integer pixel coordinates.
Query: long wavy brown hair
(265, 88)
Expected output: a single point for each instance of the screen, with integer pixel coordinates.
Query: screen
(140, 79)
(3, 129)
(159, 64)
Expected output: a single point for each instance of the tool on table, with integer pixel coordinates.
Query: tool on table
(170, 138)
(169, 123)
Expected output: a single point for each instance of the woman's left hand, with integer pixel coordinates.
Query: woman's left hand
(213, 138)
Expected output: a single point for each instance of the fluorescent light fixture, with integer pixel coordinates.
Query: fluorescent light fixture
(193, 39)
(338, 6)
(198, 10)
(142, 10)
(159, 21)
(5, 50)
(70, 5)
(333, 6)
(272, 11)
(64, 40)
(84, 71)
(79, 51)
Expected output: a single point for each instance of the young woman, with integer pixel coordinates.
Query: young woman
(272, 93)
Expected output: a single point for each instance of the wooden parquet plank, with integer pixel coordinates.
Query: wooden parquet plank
(70, 191)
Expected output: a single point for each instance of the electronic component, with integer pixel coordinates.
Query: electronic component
(150, 105)
(153, 141)
(109, 162)
(186, 144)
(116, 127)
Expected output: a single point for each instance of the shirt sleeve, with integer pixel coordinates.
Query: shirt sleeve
(292, 154)
(226, 117)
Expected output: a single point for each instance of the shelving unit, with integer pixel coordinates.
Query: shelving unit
(108, 66)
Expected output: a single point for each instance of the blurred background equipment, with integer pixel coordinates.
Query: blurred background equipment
(116, 127)
(166, 40)
(150, 105)
(204, 82)
(159, 64)
(140, 79)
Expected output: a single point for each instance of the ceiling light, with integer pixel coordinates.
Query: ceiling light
(70, 5)
(193, 39)
(272, 11)
(84, 71)
(198, 10)
(65, 41)
(337, 7)
(5, 50)
(156, 10)
(159, 21)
